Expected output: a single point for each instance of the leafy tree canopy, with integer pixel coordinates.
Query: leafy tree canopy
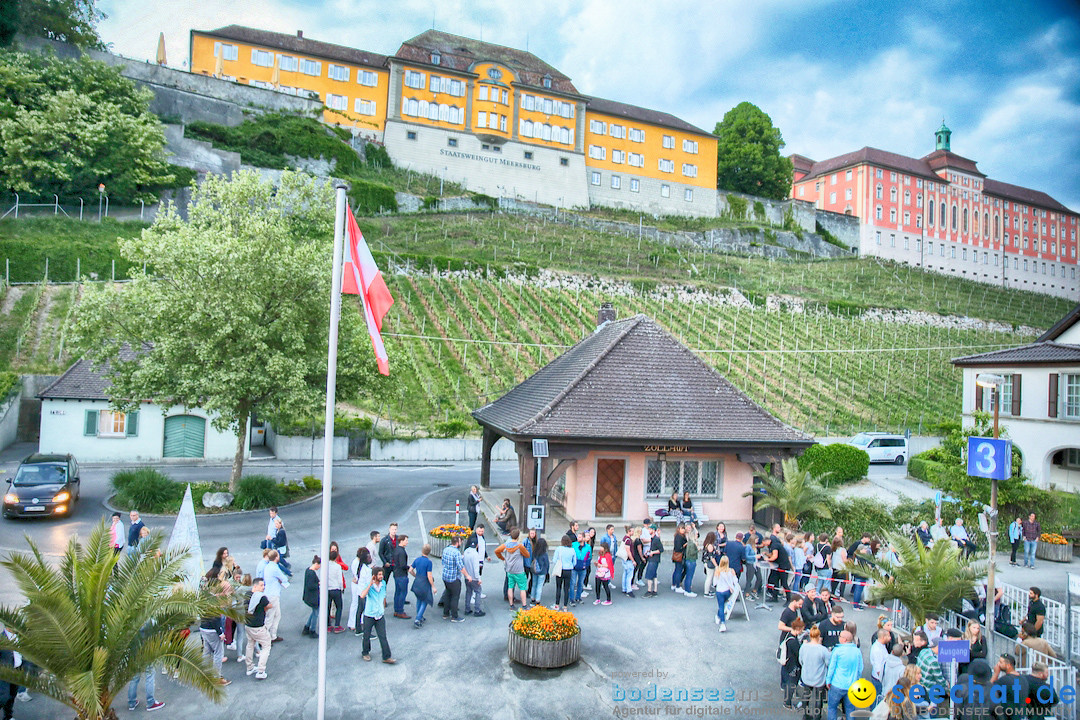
(748, 155)
(70, 21)
(232, 314)
(68, 125)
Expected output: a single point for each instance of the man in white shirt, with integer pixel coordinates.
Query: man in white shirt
(271, 530)
(938, 532)
(879, 652)
(931, 628)
(960, 537)
(276, 581)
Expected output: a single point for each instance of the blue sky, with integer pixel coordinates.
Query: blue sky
(834, 76)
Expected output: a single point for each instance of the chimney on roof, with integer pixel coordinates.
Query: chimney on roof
(606, 315)
(299, 34)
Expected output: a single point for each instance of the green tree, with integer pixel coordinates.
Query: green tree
(100, 619)
(66, 126)
(748, 156)
(924, 580)
(796, 494)
(232, 313)
(70, 21)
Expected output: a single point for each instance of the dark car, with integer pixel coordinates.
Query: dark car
(44, 485)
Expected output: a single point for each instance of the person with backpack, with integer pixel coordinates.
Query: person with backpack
(541, 568)
(788, 657)
(820, 558)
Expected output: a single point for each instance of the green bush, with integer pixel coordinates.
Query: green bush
(843, 463)
(7, 383)
(736, 207)
(258, 491)
(376, 156)
(370, 197)
(924, 468)
(453, 428)
(856, 516)
(145, 489)
(430, 203)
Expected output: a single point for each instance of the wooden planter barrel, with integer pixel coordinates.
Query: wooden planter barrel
(1054, 553)
(438, 545)
(544, 653)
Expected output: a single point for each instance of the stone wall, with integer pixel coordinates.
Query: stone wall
(187, 96)
(430, 449)
(844, 228)
(9, 418)
(771, 211)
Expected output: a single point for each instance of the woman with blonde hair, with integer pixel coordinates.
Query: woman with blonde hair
(725, 585)
(891, 709)
(973, 634)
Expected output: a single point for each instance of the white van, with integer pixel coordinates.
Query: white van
(882, 447)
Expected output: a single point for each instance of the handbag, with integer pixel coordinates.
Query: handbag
(676, 556)
(623, 552)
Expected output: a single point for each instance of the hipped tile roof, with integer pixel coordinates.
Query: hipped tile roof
(631, 380)
(296, 44)
(82, 381)
(1037, 353)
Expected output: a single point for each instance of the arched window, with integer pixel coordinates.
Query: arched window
(564, 135)
(955, 217)
(892, 194)
(422, 108)
(546, 132)
(444, 113)
(414, 107)
(878, 192)
(986, 224)
(943, 210)
(997, 226)
(930, 213)
(965, 220)
(527, 129)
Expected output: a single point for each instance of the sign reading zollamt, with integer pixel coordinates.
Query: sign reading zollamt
(489, 159)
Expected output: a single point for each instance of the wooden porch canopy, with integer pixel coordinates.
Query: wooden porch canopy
(630, 386)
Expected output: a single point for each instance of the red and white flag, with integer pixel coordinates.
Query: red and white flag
(361, 277)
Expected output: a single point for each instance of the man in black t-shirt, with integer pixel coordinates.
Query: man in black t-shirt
(1036, 614)
(257, 632)
(1040, 702)
(787, 617)
(830, 629)
(780, 572)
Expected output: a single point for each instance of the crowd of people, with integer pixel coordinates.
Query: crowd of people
(818, 651)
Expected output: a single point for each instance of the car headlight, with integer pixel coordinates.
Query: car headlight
(62, 496)
(11, 499)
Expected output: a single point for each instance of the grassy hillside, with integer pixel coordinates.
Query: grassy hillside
(488, 316)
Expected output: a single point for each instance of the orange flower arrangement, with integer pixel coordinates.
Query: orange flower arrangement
(1053, 539)
(450, 531)
(543, 623)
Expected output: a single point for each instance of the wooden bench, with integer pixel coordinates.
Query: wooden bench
(655, 505)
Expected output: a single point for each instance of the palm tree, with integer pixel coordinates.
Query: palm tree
(100, 619)
(924, 580)
(796, 494)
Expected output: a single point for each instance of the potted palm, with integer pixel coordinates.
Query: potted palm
(796, 494)
(100, 619)
(544, 638)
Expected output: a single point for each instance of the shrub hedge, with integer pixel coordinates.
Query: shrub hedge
(146, 489)
(843, 463)
(258, 491)
(370, 197)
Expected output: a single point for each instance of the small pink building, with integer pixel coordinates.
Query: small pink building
(631, 415)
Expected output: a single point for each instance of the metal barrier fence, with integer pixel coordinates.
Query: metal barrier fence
(71, 210)
(1054, 627)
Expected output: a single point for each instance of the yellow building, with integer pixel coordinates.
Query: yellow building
(495, 119)
(351, 83)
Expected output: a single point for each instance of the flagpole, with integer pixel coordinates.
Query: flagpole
(328, 440)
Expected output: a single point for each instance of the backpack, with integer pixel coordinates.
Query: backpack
(1003, 622)
(818, 560)
(781, 652)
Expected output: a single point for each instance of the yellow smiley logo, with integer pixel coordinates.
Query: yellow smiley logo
(862, 693)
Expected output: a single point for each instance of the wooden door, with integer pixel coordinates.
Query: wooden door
(610, 483)
(185, 436)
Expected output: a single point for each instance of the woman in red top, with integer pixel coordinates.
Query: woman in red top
(605, 570)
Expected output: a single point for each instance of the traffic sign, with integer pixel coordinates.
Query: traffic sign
(989, 458)
(949, 651)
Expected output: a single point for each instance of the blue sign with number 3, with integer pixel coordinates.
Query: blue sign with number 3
(989, 458)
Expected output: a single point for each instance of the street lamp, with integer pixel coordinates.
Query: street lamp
(994, 383)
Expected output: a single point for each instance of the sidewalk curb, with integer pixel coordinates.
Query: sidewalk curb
(108, 506)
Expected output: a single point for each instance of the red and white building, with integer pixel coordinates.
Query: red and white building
(940, 213)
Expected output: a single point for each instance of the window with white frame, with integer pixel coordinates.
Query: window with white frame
(689, 146)
(310, 67)
(689, 170)
(549, 106)
(616, 182)
(226, 51)
(367, 78)
(481, 119)
(262, 58)
(688, 194)
(1071, 395)
(287, 63)
(700, 478)
(336, 102)
(261, 84)
(482, 92)
(525, 128)
(502, 123)
(665, 165)
(832, 198)
(598, 126)
(595, 178)
(635, 185)
(617, 131)
(596, 152)
(669, 142)
(847, 175)
(637, 135)
(337, 72)
(414, 79)
(847, 194)
(618, 156)
(637, 160)
(112, 424)
(665, 191)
